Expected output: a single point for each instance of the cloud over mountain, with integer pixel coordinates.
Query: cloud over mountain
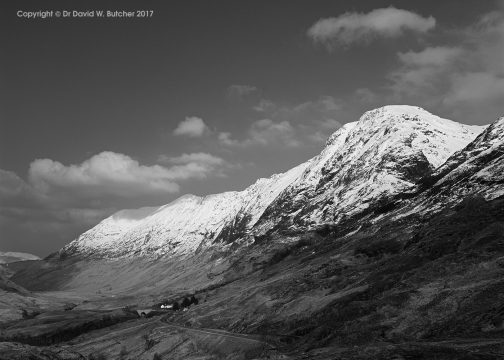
(463, 79)
(65, 199)
(106, 173)
(289, 125)
(196, 165)
(420, 71)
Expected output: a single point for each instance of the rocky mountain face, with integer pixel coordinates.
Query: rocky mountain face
(476, 169)
(384, 153)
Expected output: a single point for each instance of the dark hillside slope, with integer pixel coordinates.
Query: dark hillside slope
(394, 289)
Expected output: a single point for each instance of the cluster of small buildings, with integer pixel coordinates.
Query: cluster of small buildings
(184, 304)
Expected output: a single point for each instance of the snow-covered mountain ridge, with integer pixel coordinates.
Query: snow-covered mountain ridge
(183, 225)
(384, 153)
(478, 169)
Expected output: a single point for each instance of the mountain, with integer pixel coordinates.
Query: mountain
(384, 153)
(8, 257)
(387, 245)
(184, 225)
(479, 167)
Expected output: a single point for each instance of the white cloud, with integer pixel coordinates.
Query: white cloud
(423, 70)
(265, 105)
(60, 201)
(290, 125)
(430, 56)
(321, 108)
(225, 138)
(15, 192)
(463, 80)
(191, 127)
(11, 185)
(200, 157)
(26, 212)
(481, 82)
(197, 165)
(330, 124)
(485, 39)
(107, 173)
(366, 96)
(474, 88)
(265, 132)
(239, 92)
(361, 28)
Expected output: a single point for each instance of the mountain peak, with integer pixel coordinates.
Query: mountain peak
(403, 114)
(386, 152)
(415, 127)
(401, 110)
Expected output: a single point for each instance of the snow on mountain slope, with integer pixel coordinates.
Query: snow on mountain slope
(382, 154)
(478, 169)
(489, 141)
(181, 226)
(482, 158)
(10, 256)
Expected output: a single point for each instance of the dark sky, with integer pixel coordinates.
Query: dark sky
(206, 96)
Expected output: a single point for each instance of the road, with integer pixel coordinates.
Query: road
(221, 340)
(217, 332)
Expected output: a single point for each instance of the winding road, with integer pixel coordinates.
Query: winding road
(220, 340)
(217, 332)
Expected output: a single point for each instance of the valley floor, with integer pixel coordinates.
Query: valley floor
(86, 334)
(159, 338)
